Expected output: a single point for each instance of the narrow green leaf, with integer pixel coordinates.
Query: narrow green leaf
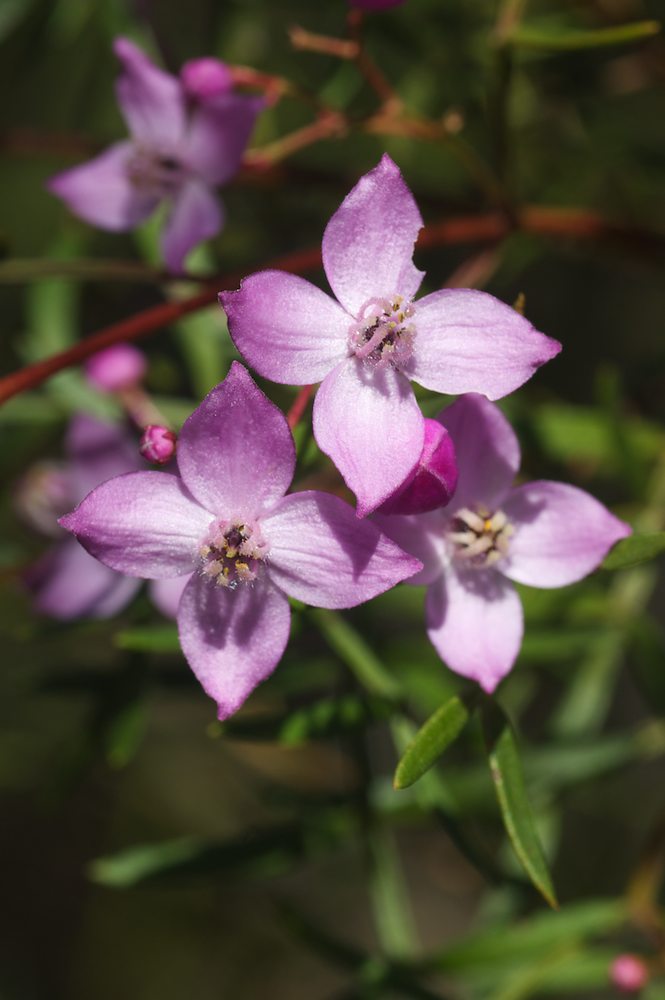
(518, 818)
(557, 40)
(435, 736)
(635, 549)
(149, 639)
(350, 646)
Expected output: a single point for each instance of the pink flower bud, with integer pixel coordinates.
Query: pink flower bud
(434, 479)
(629, 973)
(116, 368)
(158, 444)
(205, 78)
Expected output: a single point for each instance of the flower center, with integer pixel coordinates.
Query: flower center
(383, 334)
(478, 537)
(158, 174)
(232, 552)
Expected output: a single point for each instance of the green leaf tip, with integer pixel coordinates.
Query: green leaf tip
(431, 740)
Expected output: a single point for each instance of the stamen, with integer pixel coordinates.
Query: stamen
(479, 538)
(381, 336)
(232, 552)
(158, 174)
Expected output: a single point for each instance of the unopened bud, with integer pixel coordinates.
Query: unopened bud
(205, 78)
(629, 973)
(433, 481)
(116, 368)
(158, 444)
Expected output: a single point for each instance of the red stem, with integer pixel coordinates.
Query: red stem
(294, 416)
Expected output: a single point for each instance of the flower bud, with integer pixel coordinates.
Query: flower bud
(116, 368)
(158, 444)
(205, 78)
(629, 973)
(433, 481)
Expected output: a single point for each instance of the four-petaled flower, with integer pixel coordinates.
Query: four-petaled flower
(226, 521)
(182, 144)
(66, 582)
(542, 534)
(369, 344)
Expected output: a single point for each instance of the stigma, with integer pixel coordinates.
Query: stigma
(232, 552)
(383, 334)
(478, 537)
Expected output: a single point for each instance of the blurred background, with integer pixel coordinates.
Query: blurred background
(146, 850)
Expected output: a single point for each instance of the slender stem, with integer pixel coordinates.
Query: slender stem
(299, 406)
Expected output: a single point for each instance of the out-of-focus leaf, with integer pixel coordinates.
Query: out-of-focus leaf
(580, 434)
(526, 939)
(506, 770)
(189, 857)
(432, 739)
(350, 646)
(329, 716)
(634, 550)
(149, 639)
(563, 40)
(124, 734)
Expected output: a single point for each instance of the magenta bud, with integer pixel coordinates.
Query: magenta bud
(157, 444)
(434, 479)
(205, 78)
(629, 973)
(119, 367)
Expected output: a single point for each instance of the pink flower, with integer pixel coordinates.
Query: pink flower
(179, 150)
(227, 522)
(368, 343)
(542, 534)
(67, 583)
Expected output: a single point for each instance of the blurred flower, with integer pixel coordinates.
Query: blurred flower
(158, 444)
(433, 481)
(179, 149)
(368, 344)
(118, 367)
(629, 973)
(227, 522)
(542, 534)
(66, 582)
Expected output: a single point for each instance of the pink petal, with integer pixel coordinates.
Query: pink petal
(218, 134)
(368, 243)
(488, 452)
(232, 639)
(368, 422)
(101, 193)
(152, 101)
(196, 215)
(432, 483)
(142, 524)
(475, 623)
(165, 594)
(560, 534)
(286, 328)
(236, 452)
(422, 536)
(468, 341)
(67, 583)
(322, 554)
(98, 451)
